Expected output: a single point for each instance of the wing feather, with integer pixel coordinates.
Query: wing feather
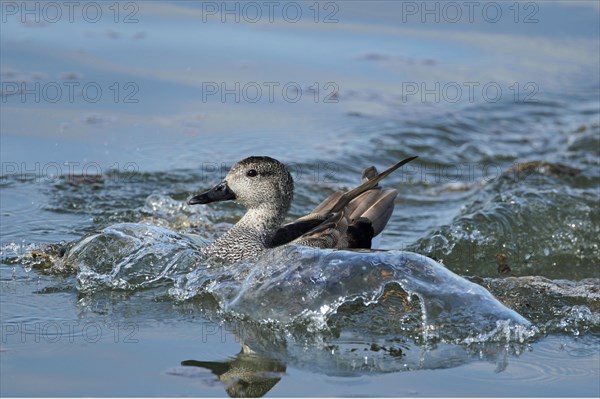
(345, 219)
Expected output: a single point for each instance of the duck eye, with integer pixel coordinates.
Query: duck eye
(251, 173)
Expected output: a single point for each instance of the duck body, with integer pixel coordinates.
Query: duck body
(265, 187)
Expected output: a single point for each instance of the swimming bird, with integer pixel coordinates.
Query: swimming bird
(265, 187)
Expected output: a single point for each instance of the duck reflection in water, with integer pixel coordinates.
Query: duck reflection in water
(248, 374)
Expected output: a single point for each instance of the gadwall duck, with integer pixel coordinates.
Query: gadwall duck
(265, 187)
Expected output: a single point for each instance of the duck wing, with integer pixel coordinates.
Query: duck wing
(330, 233)
(289, 232)
(368, 216)
(345, 220)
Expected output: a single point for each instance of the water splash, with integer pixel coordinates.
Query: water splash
(297, 283)
(131, 256)
(287, 287)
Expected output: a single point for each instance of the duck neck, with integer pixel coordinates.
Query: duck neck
(263, 221)
(250, 235)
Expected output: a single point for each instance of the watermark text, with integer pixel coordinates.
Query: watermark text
(270, 11)
(73, 172)
(70, 92)
(69, 331)
(471, 12)
(253, 92)
(51, 12)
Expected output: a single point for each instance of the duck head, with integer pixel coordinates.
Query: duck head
(255, 182)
